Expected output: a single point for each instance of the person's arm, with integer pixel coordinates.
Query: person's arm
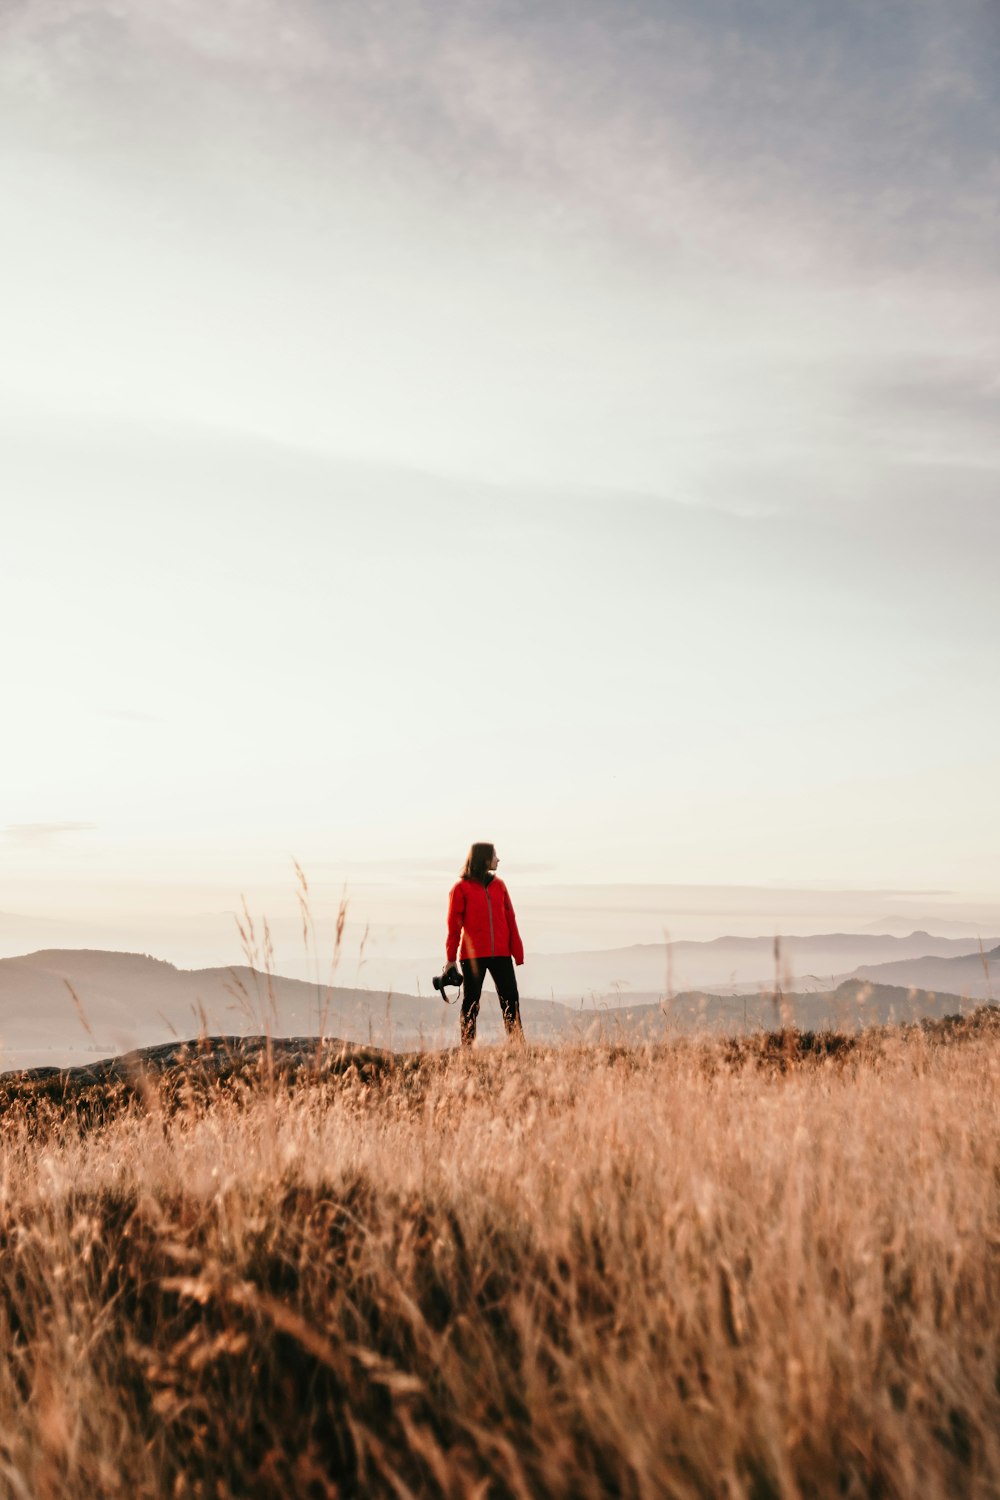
(456, 917)
(516, 946)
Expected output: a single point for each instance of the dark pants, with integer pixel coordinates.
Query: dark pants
(474, 971)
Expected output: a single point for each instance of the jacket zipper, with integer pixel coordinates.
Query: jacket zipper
(490, 910)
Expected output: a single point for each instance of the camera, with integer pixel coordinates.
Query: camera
(451, 974)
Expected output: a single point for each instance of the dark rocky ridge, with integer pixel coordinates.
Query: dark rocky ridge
(175, 1072)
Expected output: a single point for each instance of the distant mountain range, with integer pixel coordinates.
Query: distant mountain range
(84, 1000)
(65, 1006)
(976, 975)
(728, 964)
(900, 926)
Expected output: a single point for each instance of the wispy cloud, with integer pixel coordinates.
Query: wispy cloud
(734, 253)
(839, 130)
(131, 716)
(42, 833)
(443, 865)
(958, 395)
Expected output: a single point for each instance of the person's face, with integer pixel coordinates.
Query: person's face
(494, 861)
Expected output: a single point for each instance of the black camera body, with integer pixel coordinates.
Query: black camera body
(451, 974)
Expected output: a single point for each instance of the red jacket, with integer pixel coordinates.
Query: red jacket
(485, 918)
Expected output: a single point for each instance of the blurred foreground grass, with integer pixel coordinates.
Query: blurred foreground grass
(684, 1271)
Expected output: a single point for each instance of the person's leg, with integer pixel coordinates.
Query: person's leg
(473, 974)
(505, 979)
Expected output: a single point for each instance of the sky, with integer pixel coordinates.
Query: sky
(571, 425)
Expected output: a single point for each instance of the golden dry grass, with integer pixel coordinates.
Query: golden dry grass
(592, 1272)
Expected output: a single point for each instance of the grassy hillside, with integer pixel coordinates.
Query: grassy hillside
(743, 1269)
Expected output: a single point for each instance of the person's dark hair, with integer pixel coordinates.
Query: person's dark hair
(477, 863)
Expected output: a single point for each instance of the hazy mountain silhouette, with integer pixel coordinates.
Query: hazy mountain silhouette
(87, 1001)
(976, 975)
(899, 926)
(132, 1000)
(726, 964)
(120, 1001)
(853, 1005)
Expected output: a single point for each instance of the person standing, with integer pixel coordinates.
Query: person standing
(482, 932)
